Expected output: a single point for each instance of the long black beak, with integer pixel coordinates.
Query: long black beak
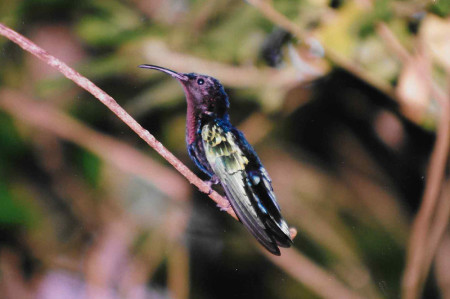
(179, 76)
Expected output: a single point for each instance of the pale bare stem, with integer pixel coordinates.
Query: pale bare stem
(312, 276)
(266, 9)
(438, 229)
(270, 13)
(108, 101)
(441, 213)
(442, 266)
(392, 42)
(418, 250)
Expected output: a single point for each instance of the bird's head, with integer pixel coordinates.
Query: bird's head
(205, 94)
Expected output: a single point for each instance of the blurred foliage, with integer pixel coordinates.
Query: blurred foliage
(347, 159)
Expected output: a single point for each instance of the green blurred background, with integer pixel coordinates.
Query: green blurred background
(88, 210)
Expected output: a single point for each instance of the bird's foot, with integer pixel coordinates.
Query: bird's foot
(213, 181)
(224, 208)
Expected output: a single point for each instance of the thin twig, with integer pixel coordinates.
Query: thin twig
(438, 229)
(109, 102)
(266, 8)
(392, 42)
(418, 249)
(442, 266)
(427, 244)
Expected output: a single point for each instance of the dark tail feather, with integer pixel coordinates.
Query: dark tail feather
(253, 226)
(279, 235)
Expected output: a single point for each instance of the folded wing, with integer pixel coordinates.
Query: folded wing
(247, 186)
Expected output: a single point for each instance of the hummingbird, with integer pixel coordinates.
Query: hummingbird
(221, 151)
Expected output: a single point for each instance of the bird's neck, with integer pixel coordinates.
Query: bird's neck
(195, 119)
(192, 123)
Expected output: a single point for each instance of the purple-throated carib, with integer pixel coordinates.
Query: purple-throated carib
(223, 153)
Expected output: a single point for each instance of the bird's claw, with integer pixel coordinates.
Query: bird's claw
(225, 209)
(213, 181)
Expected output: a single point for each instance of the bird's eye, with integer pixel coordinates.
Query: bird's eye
(200, 81)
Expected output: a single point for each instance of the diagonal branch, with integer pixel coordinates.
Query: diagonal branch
(109, 102)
